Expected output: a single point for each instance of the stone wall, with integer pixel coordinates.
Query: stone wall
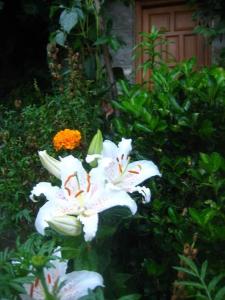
(123, 27)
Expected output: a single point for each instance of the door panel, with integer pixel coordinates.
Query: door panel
(177, 24)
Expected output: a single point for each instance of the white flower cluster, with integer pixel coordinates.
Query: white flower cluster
(79, 200)
(82, 196)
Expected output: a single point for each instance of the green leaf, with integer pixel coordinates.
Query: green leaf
(69, 18)
(191, 284)
(220, 294)
(216, 161)
(153, 268)
(189, 263)
(142, 128)
(60, 38)
(213, 283)
(196, 216)
(187, 271)
(203, 270)
(172, 215)
(130, 297)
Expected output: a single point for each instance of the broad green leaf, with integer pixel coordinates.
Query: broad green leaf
(216, 161)
(60, 38)
(69, 18)
(196, 216)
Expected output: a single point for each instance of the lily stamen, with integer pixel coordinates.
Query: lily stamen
(78, 193)
(120, 168)
(49, 278)
(133, 172)
(88, 183)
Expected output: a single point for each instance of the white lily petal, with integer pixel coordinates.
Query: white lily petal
(109, 149)
(124, 147)
(145, 192)
(77, 284)
(45, 188)
(91, 157)
(51, 209)
(111, 198)
(73, 175)
(34, 291)
(50, 163)
(54, 274)
(138, 172)
(59, 265)
(90, 226)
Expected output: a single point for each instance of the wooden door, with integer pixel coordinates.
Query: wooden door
(175, 19)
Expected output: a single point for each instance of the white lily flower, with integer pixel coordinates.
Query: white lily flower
(50, 163)
(82, 195)
(120, 172)
(74, 285)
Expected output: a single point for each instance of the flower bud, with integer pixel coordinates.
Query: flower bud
(50, 163)
(95, 147)
(38, 261)
(66, 225)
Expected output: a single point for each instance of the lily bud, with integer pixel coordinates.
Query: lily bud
(66, 225)
(95, 147)
(50, 163)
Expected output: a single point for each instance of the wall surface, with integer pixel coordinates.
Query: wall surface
(123, 27)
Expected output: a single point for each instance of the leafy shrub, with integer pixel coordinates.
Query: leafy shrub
(23, 134)
(180, 124)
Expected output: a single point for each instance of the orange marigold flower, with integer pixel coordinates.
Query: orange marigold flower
(67, 139)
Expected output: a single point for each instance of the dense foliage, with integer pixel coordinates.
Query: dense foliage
(180, 124)
(173, 247)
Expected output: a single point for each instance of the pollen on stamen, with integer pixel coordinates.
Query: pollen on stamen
(133, 172)
(120, 168)
(49, 278)
(122, 156)
(78, 193)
